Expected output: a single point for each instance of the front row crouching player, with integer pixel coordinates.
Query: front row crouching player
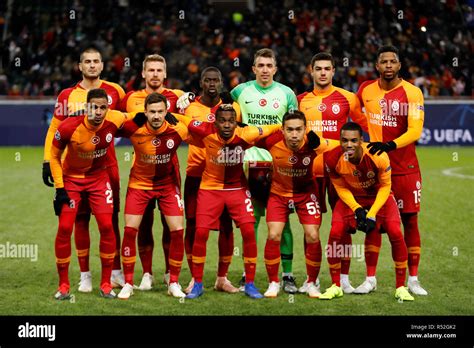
(83, 175)
(363, 183)
(152, 177)
(293, 187)
(224, 185)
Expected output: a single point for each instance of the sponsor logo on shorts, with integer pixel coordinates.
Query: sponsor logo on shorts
(170, 143)
(370, 174)
(57, 136)
(95, 140)
(313, 197)
(418, 185)
(336, 108)
(107, 184)
(156, 142)
(306, 161)
(322, 107)
(108, 137)
(197, 123)
(292, 159)
(247, 192)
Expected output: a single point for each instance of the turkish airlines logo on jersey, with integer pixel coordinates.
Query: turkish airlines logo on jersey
(156, 142)
(211, 117)
(292, 159)
(262, 102)
(322, 107)
(95, 140)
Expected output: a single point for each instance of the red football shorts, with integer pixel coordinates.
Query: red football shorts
(407, 192)
(191, 188)
(323, 187)
(168, 198)
(96, 190)
(211, 204)
(306, 206)
(388, 212)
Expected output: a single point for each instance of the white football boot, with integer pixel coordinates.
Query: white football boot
(273, 290)
(85, 285)
(147, 282)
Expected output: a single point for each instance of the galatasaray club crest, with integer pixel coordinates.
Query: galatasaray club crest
(109, 101)
(382, 103)
(108, 137)
(247, 192)
(395, 105)
(156, 142)
(335, 108)
(306, 161)
(313, 197)
(322, 107)
(418, 185)
(356, 173)
(262, 102)
(168, 105)
(370, 174)
(170, 143)
(276, 104)
(95, 140)
(292, 159)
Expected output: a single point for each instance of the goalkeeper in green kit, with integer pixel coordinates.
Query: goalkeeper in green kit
(263, 102)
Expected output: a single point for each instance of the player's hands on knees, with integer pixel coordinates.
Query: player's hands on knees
(60, 199)
(370, 225)
(47, 176)
(379, 147)
(313, 140)
(140, 119)
(361, 219)
(185, 100)
(171, 119)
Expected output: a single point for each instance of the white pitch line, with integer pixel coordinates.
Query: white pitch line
(451, 172)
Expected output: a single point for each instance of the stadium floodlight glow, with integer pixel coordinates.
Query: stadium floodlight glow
(423, 29)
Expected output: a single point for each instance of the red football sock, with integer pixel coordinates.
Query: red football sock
(412, 240)
(199, 253)
(82, 240)
(189, 241)
(226, 245)
(399, 252)
(346, 242)
(115, 225)
(106, 246)
(62, 246)
(129, 253)
(250, 251)
(313, 256)
(373, 241)
(145, 239)
(332, 251)
(176, 254)
(272, 259)
(166, 241)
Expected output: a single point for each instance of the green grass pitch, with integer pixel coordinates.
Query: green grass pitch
(446, 226)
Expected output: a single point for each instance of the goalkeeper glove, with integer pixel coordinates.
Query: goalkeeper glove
(379, 148)
(185, 100)
(171, 119)
(226, 98)
(60, 199)
(47, 176)
(370, 224)
(361, 219)
(140, 119)
(313, 140)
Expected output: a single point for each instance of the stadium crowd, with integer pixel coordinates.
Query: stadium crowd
(41, 43)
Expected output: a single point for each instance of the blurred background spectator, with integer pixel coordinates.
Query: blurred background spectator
(41, 41)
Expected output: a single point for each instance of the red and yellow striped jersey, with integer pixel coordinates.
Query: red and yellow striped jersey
(292, 170)
(326, 112)
(197, 155)
(135, 100)
(154, 149)
(395, 115)
(72, 100)
(369, 181)
(87, 146)
(224, 158)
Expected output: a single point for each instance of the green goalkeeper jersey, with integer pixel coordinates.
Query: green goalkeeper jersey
(262, 106)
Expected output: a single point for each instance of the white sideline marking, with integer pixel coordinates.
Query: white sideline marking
(451, 172)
